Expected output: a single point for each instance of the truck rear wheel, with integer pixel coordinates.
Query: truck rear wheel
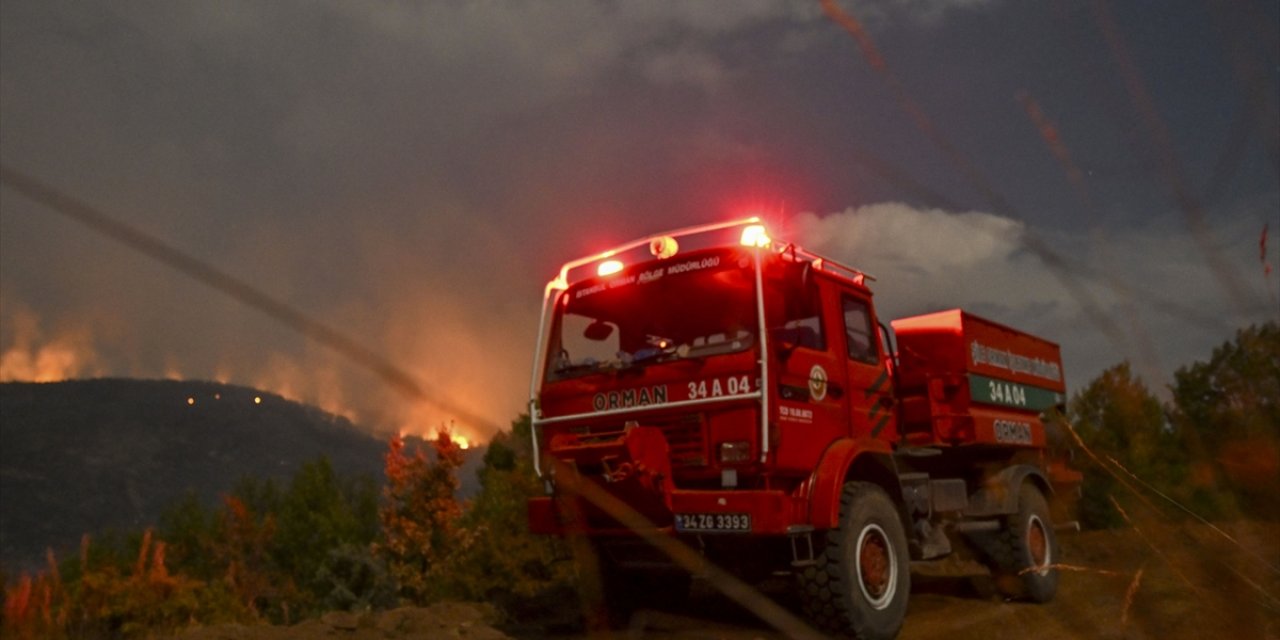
(859, 585)
(1021, 554)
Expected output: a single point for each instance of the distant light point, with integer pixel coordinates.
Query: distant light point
(190, 400)
(257, 399)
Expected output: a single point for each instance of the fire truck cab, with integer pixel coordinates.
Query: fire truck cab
(741, 394)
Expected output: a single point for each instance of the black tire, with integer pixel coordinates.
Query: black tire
(1025, 542)
(859, 585)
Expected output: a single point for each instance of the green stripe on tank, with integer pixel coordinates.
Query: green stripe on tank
(1012, 394)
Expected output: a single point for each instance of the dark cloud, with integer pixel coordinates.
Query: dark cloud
(413, 172)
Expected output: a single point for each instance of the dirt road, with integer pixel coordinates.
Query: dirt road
(1165, 582)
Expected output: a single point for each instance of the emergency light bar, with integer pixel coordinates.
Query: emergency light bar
(661, 246)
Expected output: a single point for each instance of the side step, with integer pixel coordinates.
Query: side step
(802, 554)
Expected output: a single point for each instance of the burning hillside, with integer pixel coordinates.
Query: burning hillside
(92, 455)
(34, 351)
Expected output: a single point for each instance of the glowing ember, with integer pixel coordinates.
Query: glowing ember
(191, 401)
(257, 399)
(461, 442)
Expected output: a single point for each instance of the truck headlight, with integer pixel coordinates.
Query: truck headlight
(735, 451)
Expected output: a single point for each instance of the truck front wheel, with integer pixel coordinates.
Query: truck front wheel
(860, 581)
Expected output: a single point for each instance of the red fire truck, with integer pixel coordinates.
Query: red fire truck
(741, 394)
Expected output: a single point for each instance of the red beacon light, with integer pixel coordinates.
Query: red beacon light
(664, 247)
(755, 236)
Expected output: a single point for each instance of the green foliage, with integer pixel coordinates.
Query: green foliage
(258, 495)
(191, 530)
(354, 579)
(320, 513)
(272, 545)
(435, 550)
(104, 596)
(1228, 411)
(1215, 449)
(263, 553)
(1118, 417)
(110, 548)
(499, 456)
(502, 562)
(111, 601)
(244, 549)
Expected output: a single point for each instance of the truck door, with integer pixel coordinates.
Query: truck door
(811, 390)
(870, 389)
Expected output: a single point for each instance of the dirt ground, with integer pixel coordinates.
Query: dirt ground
(1159, 582)
(444, 620)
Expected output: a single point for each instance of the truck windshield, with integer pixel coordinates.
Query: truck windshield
(660, 312)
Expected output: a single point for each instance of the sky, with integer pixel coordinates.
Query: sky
(412, 173)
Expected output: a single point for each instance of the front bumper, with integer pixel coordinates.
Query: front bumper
(632, 472)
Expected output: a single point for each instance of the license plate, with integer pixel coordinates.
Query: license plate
(713, 522)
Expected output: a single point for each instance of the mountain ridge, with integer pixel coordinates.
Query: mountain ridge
(88, 456)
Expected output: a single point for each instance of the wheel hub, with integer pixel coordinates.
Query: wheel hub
(1037, 543)
(876, 567)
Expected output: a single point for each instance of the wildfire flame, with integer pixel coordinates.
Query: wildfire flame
(463, 442)
(31, 358)
(317, 384)
(36, 351)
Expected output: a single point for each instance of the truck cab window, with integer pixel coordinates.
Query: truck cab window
(802, 319)
(857, 330)
(636, 319)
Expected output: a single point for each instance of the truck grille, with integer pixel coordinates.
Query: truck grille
(685, 435)
(687, 438)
